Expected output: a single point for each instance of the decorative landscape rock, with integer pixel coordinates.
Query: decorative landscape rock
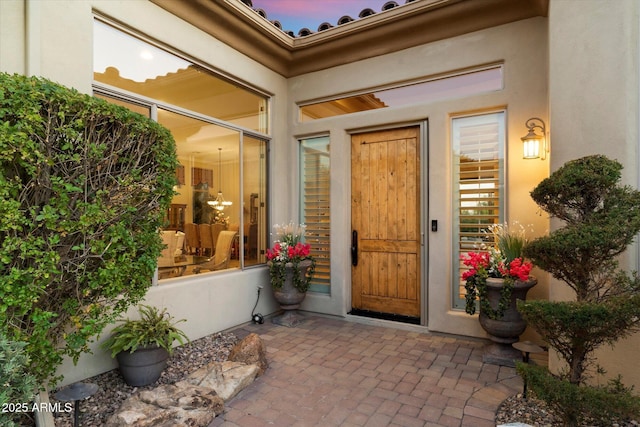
(251, 350)
(199, 398)
(226, 378)
(181, 403)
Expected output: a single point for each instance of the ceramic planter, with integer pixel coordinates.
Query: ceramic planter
(289, 297)
(505, 331)
(144, 366)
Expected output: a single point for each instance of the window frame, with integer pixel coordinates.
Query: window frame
(323, 262)
(457, 295)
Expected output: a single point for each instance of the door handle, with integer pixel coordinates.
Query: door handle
(354, 248)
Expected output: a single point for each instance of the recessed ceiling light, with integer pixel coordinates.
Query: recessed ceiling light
(145, 54)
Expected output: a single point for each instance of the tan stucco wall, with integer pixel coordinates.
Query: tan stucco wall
(594, 92)
(518, 45)
(59, 47)
(12, 36)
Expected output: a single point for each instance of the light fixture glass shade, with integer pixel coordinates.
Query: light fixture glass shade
(535, 146)
(219, 202)
(531, 146)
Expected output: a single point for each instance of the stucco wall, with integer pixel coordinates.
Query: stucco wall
(594, 92)
(518, 46)
(12, 40)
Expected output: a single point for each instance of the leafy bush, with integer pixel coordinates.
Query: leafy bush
(18, 386)
(84, 185)
(154, 327)
(580, 404)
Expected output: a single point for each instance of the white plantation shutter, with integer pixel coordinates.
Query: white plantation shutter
(315, 212)
(478, 153)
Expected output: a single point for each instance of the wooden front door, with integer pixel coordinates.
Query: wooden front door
(385, 220)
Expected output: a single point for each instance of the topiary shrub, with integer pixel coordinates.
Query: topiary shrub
(601, 219)
(582, 405)
(18, 385)
(84, 185)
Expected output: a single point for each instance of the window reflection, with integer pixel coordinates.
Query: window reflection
(454, 86)
(129, 63)
(208, 118)
(209, 164)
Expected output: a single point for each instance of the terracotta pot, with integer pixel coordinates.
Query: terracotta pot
(289, 297)
(505, 331)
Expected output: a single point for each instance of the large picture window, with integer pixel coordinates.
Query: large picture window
(478, 153)
(218, 217)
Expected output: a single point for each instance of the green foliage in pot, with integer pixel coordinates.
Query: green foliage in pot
(18, 385)
(601, 219)
(503, 260)
(154, 328)
(84, 185)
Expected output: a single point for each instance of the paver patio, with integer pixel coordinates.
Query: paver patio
(334, 372)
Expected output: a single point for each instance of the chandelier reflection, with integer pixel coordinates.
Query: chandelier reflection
(219, 202)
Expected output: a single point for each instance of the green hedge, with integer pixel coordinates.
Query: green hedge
(582, 404)
(84, 185)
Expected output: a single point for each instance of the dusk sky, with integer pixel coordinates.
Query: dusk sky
(297, 14)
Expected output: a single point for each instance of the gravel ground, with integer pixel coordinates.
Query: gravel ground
(536, 413)
(529, 411)
(114, 391)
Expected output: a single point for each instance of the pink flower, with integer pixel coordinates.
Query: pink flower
(284, 252)
(468, 273)
(519, 269)
(273, 253)
(476, 260)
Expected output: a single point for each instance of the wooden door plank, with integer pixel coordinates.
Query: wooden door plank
(409, 246)
(385, 211)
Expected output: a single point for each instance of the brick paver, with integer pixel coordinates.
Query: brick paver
(333, 372)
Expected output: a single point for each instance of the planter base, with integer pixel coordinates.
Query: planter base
(501, 354)
(290, 298)
(290, 319)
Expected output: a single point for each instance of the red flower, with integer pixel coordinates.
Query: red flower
(476, 260)
(273, 253)
(287, 253)
(519, 269)
(468, 273)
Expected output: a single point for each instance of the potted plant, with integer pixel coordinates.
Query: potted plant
(291, 268)
(143, 346)
(498, 276)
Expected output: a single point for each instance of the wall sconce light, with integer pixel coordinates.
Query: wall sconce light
(535, 146)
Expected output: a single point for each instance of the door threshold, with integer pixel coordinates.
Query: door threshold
(385, 316)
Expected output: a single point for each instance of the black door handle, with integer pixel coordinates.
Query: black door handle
(354, 248)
